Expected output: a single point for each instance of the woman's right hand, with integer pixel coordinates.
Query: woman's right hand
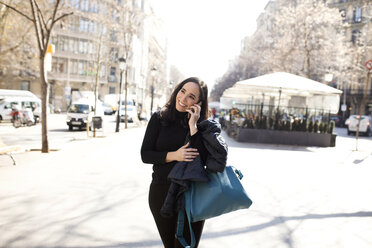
(183, 154)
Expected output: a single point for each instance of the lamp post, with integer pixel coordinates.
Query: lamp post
(122, 68)
(362, 106)
(153, 73)
(126, 99)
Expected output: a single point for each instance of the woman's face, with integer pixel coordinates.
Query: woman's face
(187, 96)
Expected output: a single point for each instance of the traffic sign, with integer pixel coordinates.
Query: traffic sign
(368, 65)
(343, 107)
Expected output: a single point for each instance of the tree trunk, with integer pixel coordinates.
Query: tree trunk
(126, 99)
(44, 104)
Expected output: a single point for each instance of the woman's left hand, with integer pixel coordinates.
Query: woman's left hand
(194, 112)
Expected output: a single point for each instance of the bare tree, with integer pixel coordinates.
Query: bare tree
(131, 19)
(301, 37)
(304, 39)
(43, 18)
(17, 48)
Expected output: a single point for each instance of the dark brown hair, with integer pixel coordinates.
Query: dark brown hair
(168, 112)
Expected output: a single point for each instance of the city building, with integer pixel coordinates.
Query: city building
(88, 45)
(356, 27)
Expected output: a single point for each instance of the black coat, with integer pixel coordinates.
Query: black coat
(184, 172)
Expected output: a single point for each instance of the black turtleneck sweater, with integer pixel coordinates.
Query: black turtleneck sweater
(160, 139)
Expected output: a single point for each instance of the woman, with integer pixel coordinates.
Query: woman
(164, 146)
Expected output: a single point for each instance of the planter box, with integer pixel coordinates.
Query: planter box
(285, 137)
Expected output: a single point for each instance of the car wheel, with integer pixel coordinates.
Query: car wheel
(348, 132)
(70, 127)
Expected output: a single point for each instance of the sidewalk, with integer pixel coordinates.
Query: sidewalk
(93, 193)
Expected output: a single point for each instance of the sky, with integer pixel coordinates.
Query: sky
(204, 35)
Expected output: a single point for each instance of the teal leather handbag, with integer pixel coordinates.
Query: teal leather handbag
(224, 193)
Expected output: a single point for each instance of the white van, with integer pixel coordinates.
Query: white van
(6, 104)
(82, 111)
(364, 127)
(132, 114)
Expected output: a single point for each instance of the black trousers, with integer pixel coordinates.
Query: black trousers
(167, 227)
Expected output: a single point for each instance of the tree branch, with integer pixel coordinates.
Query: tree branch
(62, 16)
(13, 48)
(37, 29)
(54, 14)
(16, 10)
(40, 15)
(40, 21)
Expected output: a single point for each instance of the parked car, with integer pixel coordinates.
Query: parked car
(108, 109)
(337, 119)
(132, 113)
(364, 127)
(81, 112)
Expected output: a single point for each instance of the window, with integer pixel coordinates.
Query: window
(84, 5)
(355, 37)
(82, 67)
(25, 85)
(26, 104)
(112, 71)
(357, 14)
(91, 68)
(83, 46)
(113, 36)
(74, 23)
(84, 25)
(74, 45)
(112, 90)
(102, 71)
(11, 104)
(93, 6)
(92, 27)
(60, 46)
(54, 64)
(65, 43)
(75, 3)
(91, 47)
(62, 65)
(114, 54)
(112, 76)
(74, 66)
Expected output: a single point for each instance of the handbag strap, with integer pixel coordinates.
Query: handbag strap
(181, 220)
(180, 225)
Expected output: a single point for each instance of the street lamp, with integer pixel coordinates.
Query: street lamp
(153, 74)
(122, 68)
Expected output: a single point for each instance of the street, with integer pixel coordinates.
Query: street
(30, 137)
(92, 192)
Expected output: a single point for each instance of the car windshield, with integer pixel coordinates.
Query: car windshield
(79, 108)
(128, 103)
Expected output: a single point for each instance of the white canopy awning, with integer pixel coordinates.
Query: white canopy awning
(285, 89)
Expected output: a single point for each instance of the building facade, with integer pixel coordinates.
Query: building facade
(88, 45)
(356, 28)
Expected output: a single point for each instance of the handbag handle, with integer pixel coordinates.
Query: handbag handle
(181, 220)
(180, 224)
(238, 173)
